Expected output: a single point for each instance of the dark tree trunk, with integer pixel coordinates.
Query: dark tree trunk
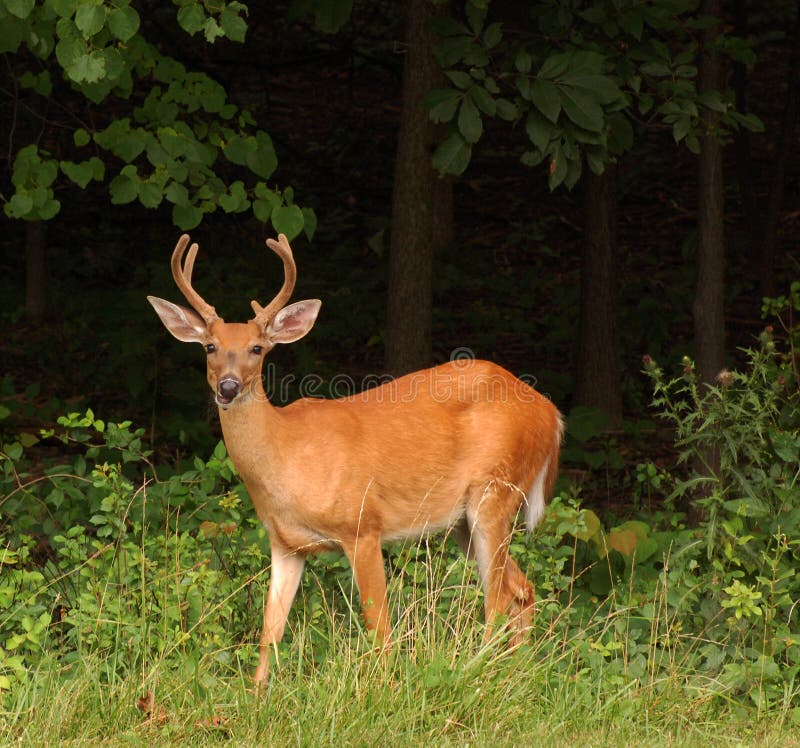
(783, 148)
(745, 177)
(708, 308)
(36, 282)
(598, 377)
(422, 206)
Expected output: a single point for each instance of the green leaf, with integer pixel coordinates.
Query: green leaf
(88, 68)
(604, 88)
(122, 141)
(786, 445)
(265, 193)
(19, 206)
(585, 62)
(459, 78)
(483, 100)
(476, 14)
(584, 422)
(123, 22)
(19, 8)
(80, 137)
(262, 159)
(545, 96)
(656, 69)
(48, 208)
(288, 219)
(69, 49)
(212, 30)
(186, 217)
(150, 194)
(123, 190)
(90, 19)
(63, 8)
(681, 128)
(191, 19)
(236, 200)
(493, 35)
(262, 210)
(574, 171)
(554, 66)
(441, 103)
(11, 36)
(506, 110)
(632, 22)
(331, 15)
(452, 155)
(452, 50)
(309, 223)
(540, 130)
(559, 168)
(470, 124)
(686, 71)
(237, 148)
(693, 144)
(582, 108)
(620, 133)
(81, 174)
(234, 26)
(749, 121)
(177, 194)
(523, 61)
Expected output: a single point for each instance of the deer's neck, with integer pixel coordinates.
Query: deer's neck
(251, 429)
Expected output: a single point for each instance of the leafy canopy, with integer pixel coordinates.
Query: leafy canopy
(140, 121)
(573, 81)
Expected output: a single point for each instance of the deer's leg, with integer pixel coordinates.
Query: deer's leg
(506, 589)
(523, 598)
(366, 560)
(287, 568)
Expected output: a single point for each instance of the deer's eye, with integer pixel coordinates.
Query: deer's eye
(256, 349)
(210, 348)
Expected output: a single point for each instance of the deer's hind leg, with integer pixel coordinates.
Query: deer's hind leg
(507, 591)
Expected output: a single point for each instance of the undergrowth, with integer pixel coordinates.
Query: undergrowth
(131, 596)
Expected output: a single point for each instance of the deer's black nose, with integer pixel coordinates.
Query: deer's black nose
(227, 389)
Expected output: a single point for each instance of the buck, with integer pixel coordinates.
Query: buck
(458, 447)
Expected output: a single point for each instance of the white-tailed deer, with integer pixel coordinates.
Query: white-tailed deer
(460, 446)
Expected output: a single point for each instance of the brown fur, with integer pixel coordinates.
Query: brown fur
(460, 446)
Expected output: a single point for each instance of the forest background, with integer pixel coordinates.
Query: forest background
(602, 196)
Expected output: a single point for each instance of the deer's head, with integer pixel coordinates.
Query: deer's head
(234, 350)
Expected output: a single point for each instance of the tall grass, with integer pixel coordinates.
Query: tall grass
(579, 680)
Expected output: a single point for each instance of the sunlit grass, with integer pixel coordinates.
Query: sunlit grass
(439, 684)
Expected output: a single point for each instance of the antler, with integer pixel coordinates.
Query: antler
(183, 279)
(264, 314)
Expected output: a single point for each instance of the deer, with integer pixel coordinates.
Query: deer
(459, 447)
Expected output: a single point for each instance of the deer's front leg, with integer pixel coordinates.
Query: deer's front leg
(287, 568)
(366, 560)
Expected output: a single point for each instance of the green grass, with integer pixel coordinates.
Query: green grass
(438, 686)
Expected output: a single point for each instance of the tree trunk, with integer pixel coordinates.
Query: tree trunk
(749, 227)
(598, 377)
(786, 143)
(36, 283)
(422, 206)
(708, 308)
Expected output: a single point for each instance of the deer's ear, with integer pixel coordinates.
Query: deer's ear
(293, 322)
(183, 323)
